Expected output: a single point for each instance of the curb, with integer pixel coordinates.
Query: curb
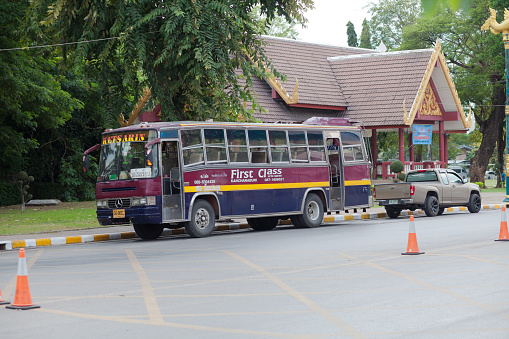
(12, 244)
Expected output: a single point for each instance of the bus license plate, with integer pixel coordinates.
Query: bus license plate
(393, 202)
(118, 213)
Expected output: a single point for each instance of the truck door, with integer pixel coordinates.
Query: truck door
(337, 183)
(172, 183)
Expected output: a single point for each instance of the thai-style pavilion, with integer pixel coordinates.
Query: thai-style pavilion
(384, 91)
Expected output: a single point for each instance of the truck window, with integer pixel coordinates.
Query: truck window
(422, 176)
(455, 179)
(445, 180)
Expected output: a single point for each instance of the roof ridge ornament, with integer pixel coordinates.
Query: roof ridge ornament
(147, 93)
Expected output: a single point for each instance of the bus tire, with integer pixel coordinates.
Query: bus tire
(296, 222)
(148, 231)
(201, 220)
(313, 212)
(263, 224)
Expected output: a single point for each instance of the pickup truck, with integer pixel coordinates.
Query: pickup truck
(431, 190)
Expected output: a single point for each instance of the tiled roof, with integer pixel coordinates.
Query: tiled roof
(308, 63)
(375, 85)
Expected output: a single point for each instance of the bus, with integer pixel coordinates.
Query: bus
(189, 174)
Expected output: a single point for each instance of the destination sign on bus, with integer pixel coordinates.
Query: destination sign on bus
(127, 137)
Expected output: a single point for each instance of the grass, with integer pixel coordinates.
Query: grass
(43, 219)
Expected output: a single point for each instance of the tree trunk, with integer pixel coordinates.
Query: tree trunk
(490, 129)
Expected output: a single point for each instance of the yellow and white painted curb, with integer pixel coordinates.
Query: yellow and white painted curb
(12, 244)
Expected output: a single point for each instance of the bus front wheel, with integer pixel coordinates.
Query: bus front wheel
(148, 231)
(313, 212)
(202, 220)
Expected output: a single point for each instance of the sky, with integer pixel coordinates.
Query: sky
(327, 22)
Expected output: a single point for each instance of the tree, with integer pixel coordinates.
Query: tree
(23, 184)
(277, 27)
(31, 98)
(389, 17)
(352, 36)
(188, 52)
(476, 61)
(365, 35)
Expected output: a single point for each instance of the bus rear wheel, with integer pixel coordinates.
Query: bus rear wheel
(263, 224)
(148, 231)
(202, 220)
(313, 213)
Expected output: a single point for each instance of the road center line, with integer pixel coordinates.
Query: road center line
(349, 330)
(148, 292)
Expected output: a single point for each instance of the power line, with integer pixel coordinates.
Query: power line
(55, 45)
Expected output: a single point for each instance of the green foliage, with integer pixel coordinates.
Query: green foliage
(77, 185)
(365, 35)
(22, 183)
(352, 36)
(277, 27)
(189, 52)
(401, 176)
(9, 194)
(389, 17)
(397, 166)
(430, 6)
(480, 184)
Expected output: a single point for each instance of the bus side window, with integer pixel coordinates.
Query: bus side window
(352, 146)
(215, 145)
(298, 148)
(258, 146)
(237, 145)
(278, 146)
(192, 147)
(316, 146)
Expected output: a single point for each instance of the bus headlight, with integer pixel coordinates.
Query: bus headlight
(102, 203)
(151, 201)
(135, 202)
(143, 201)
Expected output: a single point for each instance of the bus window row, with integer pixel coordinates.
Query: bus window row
(259, 146)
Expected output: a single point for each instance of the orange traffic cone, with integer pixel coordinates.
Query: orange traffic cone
(2, 301)
(504, 234)
(22, 298)
(412, 247)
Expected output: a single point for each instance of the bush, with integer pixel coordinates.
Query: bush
(9, 194)
(480, 184)
(47, 190)
(397, 166)
(401, 176)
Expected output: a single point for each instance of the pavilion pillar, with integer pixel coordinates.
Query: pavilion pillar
(401, 145)
(411, 147)
(446, 150)
(441, 141)
(375, 152)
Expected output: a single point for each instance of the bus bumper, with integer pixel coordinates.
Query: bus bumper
(135, 215)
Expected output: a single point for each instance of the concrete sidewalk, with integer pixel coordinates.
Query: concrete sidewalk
(489, 200)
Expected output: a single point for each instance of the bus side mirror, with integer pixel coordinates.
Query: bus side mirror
(86, 163)
(149, 158)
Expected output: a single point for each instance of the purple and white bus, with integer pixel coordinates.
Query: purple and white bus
(188, 174)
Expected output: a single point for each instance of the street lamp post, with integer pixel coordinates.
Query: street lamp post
(503, 28)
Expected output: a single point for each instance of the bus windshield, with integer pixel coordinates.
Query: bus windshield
(123, 156)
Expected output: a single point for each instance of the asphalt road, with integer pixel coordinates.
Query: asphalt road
(337, 281)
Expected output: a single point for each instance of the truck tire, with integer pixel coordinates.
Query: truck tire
(148, 231)
(263, 224)
(201, 220)
(474, 204)
(313, 212)
(392, 212)
(441, 210)
(431, 206)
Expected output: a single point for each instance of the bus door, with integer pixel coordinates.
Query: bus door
(172, 184)
(336, 178)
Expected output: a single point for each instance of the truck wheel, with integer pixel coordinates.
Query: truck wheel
(392, 212)
(431, 206)
(474, 204)
(313, 212)
(202, 220)
(441, 210)
(263, 224)
(148, 231)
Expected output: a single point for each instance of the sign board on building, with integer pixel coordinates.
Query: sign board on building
(421, 134)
